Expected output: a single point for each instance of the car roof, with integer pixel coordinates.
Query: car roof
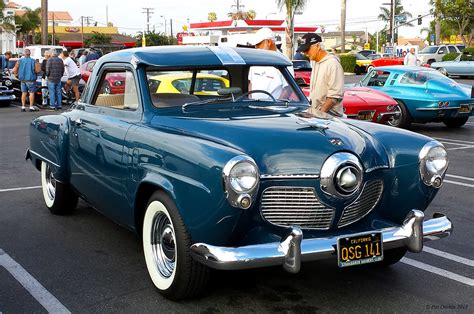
(182, 56)
(403, 68)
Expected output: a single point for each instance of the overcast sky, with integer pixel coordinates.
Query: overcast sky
(128, 16)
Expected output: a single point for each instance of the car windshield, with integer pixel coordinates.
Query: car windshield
(360, 56)
(213, 86)
(301, 64)
(431, 49)
(421, 77)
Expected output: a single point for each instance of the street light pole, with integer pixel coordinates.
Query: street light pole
(392, 25)
(164, 18)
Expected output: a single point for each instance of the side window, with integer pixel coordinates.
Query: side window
(376, 78)
(452, 49)
(90, 66)
(442, 50)
(117, 89)
(268, 83)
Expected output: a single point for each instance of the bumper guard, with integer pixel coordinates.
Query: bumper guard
(292, 249)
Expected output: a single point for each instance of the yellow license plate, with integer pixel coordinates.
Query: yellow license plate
(365, 115)
(360, 249)
(465, 108)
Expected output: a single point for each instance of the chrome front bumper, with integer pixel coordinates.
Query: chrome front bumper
(292, 249)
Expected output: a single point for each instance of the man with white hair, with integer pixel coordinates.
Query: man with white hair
(327, 76)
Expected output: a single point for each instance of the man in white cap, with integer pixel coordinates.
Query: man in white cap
(267, 78)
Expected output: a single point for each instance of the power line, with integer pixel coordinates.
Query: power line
(148, 12)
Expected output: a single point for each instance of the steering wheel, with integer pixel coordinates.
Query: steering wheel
(255, 91)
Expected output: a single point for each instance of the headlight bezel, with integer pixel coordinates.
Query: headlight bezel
(242, 198)
(331, 172)
(430, 178)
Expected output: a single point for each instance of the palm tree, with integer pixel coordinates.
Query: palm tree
(343, 26)
(28, 23)
(399, 10)
(242, 15)
(290, 6)
(212, 16)
(6, 22)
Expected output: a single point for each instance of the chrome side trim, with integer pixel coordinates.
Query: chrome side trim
(438, 109)
(291, 250)
(289, 176)
(386, 114)
(44, 159)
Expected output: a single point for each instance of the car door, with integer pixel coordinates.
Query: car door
(98, 129)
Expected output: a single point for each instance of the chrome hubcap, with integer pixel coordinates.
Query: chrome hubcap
(164, 244)
(50, 183)
(395, 119)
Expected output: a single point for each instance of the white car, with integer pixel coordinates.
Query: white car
(431, 54)
(37, 51)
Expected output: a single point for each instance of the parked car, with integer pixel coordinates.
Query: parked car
(455, 67)
(375, 56)
(86, 69)
(6, 92)
(302, 71)
(431, 54)
(423, 95)
(37, 51)
(385, 61)
(365, 53)
(230, 182)
(362, 63)
(114, 82)
(366, 104)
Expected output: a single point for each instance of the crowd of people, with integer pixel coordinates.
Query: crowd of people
(52, 69)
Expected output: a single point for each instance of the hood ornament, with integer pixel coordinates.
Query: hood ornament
(314, 123)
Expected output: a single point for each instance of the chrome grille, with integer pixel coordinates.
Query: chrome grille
(366, 201)
(290, 206)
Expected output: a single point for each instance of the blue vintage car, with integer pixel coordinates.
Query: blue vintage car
(423, 95)
(223, 177)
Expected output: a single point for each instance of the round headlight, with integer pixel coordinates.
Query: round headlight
(8, 83)
(241, 178)
(433, 163)
(341, 175)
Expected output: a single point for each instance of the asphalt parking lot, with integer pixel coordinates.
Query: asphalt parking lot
(86, 263)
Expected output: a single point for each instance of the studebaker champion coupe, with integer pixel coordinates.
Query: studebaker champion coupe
(238, 178)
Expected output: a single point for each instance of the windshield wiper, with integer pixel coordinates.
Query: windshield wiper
(204, 102)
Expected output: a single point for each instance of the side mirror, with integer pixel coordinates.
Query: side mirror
(440, 52)
(229, 91)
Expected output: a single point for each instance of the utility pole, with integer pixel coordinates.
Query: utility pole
(392, 25)
(148, 12)
(171, 27)
(44, 22)
(82, 27)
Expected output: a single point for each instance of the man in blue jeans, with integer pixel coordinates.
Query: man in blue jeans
(25, 67)
(54, 72)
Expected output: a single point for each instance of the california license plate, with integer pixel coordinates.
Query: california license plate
(465, 108)
(360, 249)
(367, 115)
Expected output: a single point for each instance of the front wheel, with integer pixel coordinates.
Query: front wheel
(455, 122)
(402, 119)
(443, 71)
(59, 197)
(166, 246)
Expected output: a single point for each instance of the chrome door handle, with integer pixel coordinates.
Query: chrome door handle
(78, 122)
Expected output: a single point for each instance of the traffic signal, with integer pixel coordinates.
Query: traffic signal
(419, 19)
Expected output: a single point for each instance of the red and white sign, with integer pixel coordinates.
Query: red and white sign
(72, 29)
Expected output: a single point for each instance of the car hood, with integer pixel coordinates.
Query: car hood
(358, 96)
(281, 144)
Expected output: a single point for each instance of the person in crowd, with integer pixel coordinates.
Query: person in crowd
(44, 82)
(411, 58)
(269, 79)
(26, 70)
(83, 58)
(327, 76)
(54, 71)
(4, 60)
(73, 74)
(92, 56)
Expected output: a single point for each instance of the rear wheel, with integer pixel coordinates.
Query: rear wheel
(455, 122)
(166, 245)
(403, 119)
(58, 197)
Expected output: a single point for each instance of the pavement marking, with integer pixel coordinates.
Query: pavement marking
(19, 189)
(438, 271)
(459, 259)
(459, 183)
(453, 140)
(460, 177)
(46, 299)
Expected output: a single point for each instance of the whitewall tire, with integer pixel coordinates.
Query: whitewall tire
(58, 197)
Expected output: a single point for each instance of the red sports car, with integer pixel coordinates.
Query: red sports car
(387, 61)
(114, 83)
(302, 71)
(367, 104)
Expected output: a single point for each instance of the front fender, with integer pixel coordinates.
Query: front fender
(49, 141)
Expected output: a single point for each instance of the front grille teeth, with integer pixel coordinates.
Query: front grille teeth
(289, 206)
(363, 205)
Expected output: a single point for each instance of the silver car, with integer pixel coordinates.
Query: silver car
(455, 67)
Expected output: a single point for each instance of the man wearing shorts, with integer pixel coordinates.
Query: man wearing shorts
(25, 68)
(73, 73)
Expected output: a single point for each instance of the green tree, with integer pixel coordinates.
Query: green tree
(399, 10)
(155, 39)
(290, 6)
(97, 38)
(37, 39)
(460, 13)
(383, 35)
(446, 30)
(28, 23)
(242, 15)
(212, 16)
(6, 22)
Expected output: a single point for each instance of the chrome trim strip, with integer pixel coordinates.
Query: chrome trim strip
(44, 159)
(290, 251)
(382, 115)
(289, 176)
(437, 109)
(376, 168)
